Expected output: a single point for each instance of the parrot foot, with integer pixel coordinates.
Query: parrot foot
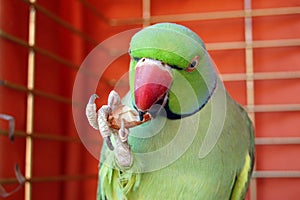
(122, 150)
(90, 112)
(123, 154)
(123, 132)
(99, 121)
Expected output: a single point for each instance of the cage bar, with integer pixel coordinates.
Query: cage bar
(209, 16)
(249, 76)
(30, 103)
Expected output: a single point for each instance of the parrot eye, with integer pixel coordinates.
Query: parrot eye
(193, 64)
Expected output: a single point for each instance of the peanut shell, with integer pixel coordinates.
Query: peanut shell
(130, 117)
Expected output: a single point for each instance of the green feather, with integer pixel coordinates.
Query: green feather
(208, 154)
(177, 46)
(155, 42)
(189, 177)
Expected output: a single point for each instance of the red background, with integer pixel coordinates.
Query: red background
(68, 160)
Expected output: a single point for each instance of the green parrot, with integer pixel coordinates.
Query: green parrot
(199, 143)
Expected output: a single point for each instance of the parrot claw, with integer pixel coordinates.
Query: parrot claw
(123, 153)
(91, 113)
(123, 132)
(108, 143)
(99, 121)
(114, 100)
(104, 128)
(93, 98)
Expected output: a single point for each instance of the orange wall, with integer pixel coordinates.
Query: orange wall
(52, 158)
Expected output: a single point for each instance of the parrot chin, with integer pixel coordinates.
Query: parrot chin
(152, 81)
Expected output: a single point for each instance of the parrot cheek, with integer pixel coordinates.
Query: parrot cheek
(152, 81)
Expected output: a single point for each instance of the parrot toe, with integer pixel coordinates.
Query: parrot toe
(108, 143)
(114, 100)
(91, 113)
(123, 132)
(123, 153)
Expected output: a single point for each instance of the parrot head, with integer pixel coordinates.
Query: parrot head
(170, 66)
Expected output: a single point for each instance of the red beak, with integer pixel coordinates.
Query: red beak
(152, 81)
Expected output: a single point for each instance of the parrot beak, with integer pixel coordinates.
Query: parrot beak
(152, 81)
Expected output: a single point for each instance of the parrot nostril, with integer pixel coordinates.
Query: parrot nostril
(143, 60)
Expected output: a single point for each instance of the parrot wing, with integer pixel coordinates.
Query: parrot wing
(243, 178)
